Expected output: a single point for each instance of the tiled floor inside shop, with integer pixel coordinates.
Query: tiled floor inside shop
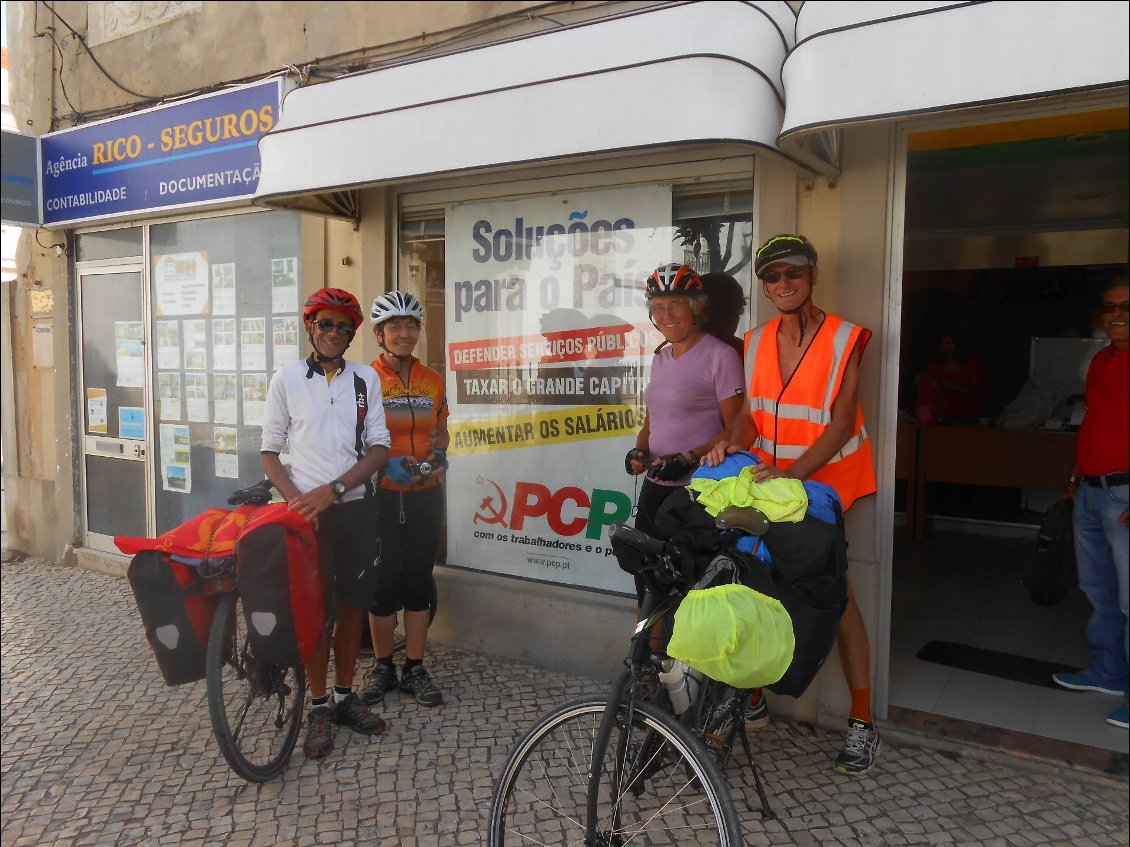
(966, 589)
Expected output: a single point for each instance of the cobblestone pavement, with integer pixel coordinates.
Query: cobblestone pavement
(98, 751)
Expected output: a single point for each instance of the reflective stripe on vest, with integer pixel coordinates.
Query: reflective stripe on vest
(795, 451)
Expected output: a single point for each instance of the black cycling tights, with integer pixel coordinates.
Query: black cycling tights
(408, 550)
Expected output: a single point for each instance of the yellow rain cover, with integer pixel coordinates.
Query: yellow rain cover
(733, 634)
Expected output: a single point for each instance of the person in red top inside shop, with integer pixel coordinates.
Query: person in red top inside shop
(1099, 487)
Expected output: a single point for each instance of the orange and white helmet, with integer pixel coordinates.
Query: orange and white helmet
(674, 279)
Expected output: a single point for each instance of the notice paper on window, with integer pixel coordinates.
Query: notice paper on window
(176, 458)
(223, 289)
(284, 285)
(96, 410)
(129, 354)
(225, 442)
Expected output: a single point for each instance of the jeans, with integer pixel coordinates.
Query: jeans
(1103, 555)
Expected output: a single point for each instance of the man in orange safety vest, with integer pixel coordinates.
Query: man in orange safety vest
(803, 420)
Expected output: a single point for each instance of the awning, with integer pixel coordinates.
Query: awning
(666, 75)
(857, 62)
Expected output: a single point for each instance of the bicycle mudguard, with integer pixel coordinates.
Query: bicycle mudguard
(280, 582)
(176, 613)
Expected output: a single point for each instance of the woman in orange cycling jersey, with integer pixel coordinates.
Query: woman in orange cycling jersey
(410, 498)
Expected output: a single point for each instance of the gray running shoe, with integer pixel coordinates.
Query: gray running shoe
(419, 684)
(860, 748)
(381, 680)
(319, 741)
(351, 712)
(757, 713)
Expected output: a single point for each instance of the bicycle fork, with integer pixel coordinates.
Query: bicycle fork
(600, 744)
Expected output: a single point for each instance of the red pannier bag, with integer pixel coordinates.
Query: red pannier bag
(166, 584)
(279, 580)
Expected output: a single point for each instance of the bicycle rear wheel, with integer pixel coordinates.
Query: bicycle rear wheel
(256, 707)
(658, 786)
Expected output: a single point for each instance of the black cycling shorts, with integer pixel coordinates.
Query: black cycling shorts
(349, 550)
(410, 522)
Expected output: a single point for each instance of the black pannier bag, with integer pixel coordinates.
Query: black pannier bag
(1053, 571)
(177, 615)
(808, 576)
(280, 585)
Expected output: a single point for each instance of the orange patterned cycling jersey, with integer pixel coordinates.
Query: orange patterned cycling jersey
(413, 410)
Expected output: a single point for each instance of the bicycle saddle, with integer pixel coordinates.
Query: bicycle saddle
(746, 518)
(258, 494)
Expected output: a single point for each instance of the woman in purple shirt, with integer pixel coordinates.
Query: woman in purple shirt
(692, 400)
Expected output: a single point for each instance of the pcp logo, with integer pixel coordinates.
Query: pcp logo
(568, 511)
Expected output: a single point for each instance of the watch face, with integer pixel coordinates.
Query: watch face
(338, 487)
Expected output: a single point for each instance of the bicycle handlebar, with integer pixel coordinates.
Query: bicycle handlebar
(636, 538)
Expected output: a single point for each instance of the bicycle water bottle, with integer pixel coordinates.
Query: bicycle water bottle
(681, 685)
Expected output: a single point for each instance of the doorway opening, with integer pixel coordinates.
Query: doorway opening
(1011, 230)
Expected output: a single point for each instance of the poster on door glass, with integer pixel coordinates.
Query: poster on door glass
(225, 397)
(253, 343)
(96, 420)
(223, 344)
(168, 395)
(131, 422)
(254, 398)
(284, 285)
(284, 337)
(129, 354)
(168, 345)
(225, 442)
(549, 351)
(180, 283)
(223, 288)
(176, 458)
(195, 345)
(196, 397)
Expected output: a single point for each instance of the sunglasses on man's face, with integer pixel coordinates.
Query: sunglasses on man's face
(791, 273)
(325, 325)
(1110, 308)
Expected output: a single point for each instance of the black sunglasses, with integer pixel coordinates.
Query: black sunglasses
(791, 273)
(325, 325)
(1110, 308)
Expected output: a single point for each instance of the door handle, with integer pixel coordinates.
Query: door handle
(139, 450)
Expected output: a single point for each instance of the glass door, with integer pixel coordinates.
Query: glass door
(115, 375)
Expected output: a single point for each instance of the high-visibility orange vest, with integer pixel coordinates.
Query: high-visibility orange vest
(790, 418)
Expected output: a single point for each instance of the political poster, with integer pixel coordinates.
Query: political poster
(549, 351)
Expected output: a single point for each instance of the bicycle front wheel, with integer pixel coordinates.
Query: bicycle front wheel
(658, 786)
(256, 707)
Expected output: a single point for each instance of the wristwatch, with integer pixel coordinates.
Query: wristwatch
(338, 488)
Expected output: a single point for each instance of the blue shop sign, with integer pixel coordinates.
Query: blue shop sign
(196, 153)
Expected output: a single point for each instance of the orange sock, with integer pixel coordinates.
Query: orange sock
(861, 704)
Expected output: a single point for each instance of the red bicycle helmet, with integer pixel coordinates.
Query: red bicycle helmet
(674, 279)
(337, 299)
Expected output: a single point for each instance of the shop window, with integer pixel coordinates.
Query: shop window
(422, 273)
(225, 309)
(535, 312)
(111, 244)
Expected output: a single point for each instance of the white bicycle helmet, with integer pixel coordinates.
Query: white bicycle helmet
(395, 304)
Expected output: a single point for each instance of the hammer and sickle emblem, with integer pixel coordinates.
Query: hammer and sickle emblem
(488, 512)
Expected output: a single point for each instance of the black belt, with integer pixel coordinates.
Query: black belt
(1111, 480)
